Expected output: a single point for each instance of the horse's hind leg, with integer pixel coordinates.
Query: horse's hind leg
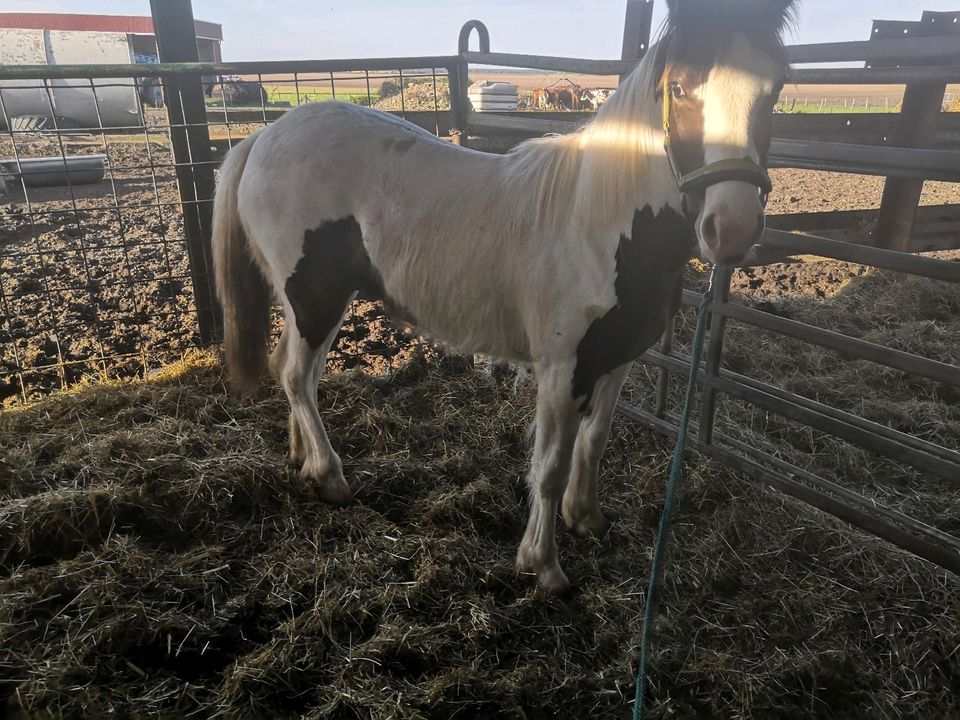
(557, 422)
(302, 365)
(278, 359)
(581, 501)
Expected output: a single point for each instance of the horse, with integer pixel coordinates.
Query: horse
(564, 254)
(539, 101)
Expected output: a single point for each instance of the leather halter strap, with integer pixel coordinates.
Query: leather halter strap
(742, 169)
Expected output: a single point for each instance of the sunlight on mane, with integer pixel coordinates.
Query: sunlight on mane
(607, 169)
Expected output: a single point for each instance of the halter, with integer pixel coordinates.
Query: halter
(743, 169)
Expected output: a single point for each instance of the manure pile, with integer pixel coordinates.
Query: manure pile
(160, 557)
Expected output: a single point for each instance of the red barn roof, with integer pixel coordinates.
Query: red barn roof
(135, 24)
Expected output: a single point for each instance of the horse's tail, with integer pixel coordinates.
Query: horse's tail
(243, 290)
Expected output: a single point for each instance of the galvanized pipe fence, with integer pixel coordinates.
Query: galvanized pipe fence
(919, 61)
(74, 259)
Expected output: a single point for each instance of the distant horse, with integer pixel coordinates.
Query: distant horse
(540, 100)
(593, 99)
(565, 253)
(237, 92)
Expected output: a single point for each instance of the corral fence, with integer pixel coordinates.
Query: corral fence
(896, 147)
(114, 277)
(78, 262)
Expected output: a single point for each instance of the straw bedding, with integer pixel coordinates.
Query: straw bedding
(161, 557)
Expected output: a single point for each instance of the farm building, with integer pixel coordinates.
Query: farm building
(70, 39)
(163, 552)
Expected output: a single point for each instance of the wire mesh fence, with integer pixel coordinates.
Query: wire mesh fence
(97, 274)
(848, 103)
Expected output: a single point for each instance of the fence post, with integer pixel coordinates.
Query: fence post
(663, 382)
(718, 325)
(187, 116)
(918, 121)
(636, 30)
(459, 100)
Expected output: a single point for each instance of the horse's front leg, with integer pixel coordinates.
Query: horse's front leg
(581, 500)
(557, 423)
(299, 366)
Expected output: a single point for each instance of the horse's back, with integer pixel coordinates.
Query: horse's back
(411, 198)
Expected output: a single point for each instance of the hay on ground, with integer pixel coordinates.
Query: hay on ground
(160, 557)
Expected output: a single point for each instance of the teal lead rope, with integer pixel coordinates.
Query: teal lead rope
(672, 482)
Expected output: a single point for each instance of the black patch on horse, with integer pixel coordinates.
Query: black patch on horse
(649, 264)
(334, 265)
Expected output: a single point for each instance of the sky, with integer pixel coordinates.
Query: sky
(313, 29)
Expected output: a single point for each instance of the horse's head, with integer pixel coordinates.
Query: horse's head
(720, 69)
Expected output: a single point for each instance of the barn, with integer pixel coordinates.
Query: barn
(70, 39)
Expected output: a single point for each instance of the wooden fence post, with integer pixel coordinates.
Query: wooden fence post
(919, 115)
(636, 30)
(187, 116)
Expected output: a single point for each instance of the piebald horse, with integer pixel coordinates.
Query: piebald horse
(564, 254)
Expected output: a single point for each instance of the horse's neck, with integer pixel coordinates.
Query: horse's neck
(624, 165)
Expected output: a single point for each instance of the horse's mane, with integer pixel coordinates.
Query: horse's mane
(585, 176)
(701, 20)
(698, 26)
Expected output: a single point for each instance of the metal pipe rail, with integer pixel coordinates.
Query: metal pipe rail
(552, 63)
(903, 531)
(874, 76)
(805, 154)
(277, 67)
(862, 254)
(692, 299)
(898, 51)
(866, 434)
(904, 51)
(866, 159)
(855, 347)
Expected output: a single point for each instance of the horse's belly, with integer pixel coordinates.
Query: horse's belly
(440, 300)
(487, 327)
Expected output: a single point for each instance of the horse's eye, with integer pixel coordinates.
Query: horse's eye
(676, 89)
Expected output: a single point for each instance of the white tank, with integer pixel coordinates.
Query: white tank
(487, 96)
(75, 102)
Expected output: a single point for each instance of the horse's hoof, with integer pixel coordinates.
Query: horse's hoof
(336, 495)
(330, 487)
(555, 582)
(550, 578)
(591, 524)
